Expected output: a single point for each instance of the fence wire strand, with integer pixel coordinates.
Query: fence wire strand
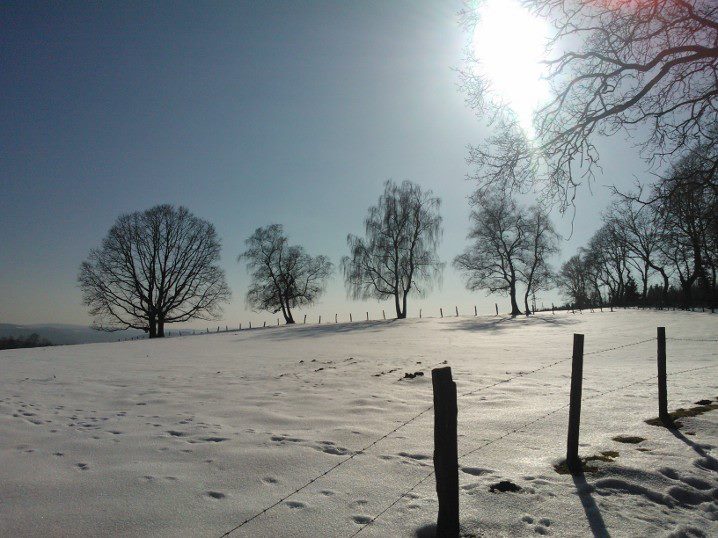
(415, 417)
(518, 429)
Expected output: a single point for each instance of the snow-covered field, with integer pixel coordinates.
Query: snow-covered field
(192, 436)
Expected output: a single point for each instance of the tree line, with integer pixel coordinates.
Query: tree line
(656, 246)
(17, 342)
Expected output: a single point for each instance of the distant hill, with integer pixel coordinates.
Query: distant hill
(63, 334)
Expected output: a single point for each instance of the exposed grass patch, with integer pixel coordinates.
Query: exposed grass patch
(630, 439)
(682, 413)
(607, 456)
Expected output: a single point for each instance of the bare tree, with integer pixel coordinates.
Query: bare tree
(541, 243)
(606, 260)
(649, 64)
(688, 209)
(284, 277)
(640, 228)
(154, 267)
(572, 281)
(398, 254)
(498, 235)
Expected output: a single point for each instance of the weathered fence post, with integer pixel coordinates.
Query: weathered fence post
(383, 314)
(350, 317)
(264, 324)
(574, 412)
(457, 311)
(446, 464)
(476, 312)
(420, 313)
(662, 383)
(240, 326)
(441, 311)
(336, 318)
(226, 328)
(250, 324)
(367, 316)
(497, 308)
(320, 320)
(305, 319)
(277, 322)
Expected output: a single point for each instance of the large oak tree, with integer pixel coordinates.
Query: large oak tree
(154, 267)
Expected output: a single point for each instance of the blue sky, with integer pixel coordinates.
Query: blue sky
(248, 114)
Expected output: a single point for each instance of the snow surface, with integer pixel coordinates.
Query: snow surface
(190, 436)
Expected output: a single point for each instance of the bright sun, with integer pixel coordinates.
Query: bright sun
(509, 43)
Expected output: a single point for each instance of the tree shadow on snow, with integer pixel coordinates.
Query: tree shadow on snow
(327, 329)
(495, 325)
(593, 514)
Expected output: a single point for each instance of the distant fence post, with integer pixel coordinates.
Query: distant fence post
(264, 324)
(420, 313)
(383, 314)
(240, 326)
(446, 464)
(350, 317)
(277, 322)
(441, 311)
(367, 316)
(320, 320)
(662, 383)
(250, 324)
(457, 311)
(476, 312)
(574, 412)
(336, 318)
(497, 308)
(305, 319)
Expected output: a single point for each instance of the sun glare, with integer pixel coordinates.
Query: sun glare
(509, 43)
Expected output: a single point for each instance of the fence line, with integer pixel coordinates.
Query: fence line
(516, 430)
(693, 339)
(409, 421)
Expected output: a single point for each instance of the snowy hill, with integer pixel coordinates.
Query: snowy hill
(191, 436)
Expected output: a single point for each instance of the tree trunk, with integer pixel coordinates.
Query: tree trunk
(399, 313)
(515, 310)
(160, 327)
(152, 321)
(288, 317)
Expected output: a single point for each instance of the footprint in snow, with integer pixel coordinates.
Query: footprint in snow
(215, 495)
(295, 504)
(361, 520)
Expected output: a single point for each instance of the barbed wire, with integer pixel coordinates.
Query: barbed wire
(418, 415)
(693, 339)
(518, 429)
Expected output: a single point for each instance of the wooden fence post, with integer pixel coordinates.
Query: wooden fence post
(457, 311)
(662, 383)
(320, 320)
(336, 318)
(305, 319)
(350, 317)
(367, 316)
(250, 324)
(420, 313)
(574, 412)
(476, 312)
(277, 322)
(240, 326)
(264, 324)
(383, 314)
(441, 311)
(446, 464)
(497, 308)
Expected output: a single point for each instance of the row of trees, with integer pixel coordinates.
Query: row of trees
(656, 248)
(17, 342)
(160, 266)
